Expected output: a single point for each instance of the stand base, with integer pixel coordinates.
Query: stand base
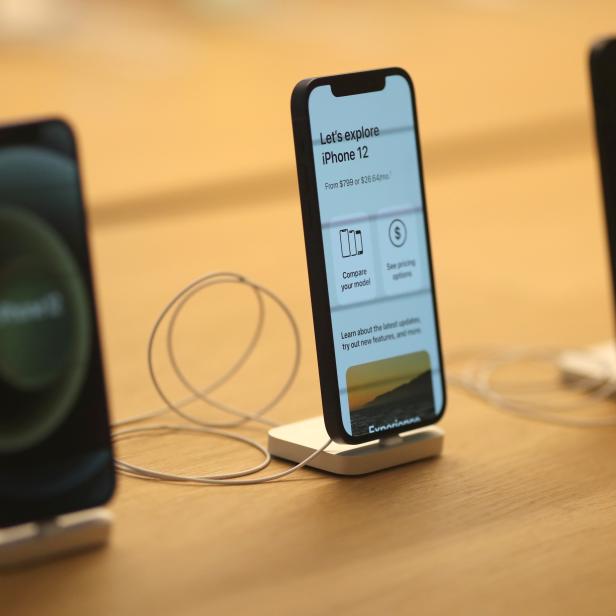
(73, 532)
(298, 440)
(592, 366)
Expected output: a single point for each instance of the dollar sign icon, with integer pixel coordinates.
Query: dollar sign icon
(397, 232)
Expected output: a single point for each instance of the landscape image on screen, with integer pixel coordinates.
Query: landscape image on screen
(390, 391)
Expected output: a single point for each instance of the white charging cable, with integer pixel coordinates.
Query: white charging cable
(170, 314)
(477, 378)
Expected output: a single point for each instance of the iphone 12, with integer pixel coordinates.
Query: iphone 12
(368, 252)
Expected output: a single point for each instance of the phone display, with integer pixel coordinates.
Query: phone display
(55, 450)
(368, 253)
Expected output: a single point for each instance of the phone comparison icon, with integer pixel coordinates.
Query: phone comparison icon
(351, 242)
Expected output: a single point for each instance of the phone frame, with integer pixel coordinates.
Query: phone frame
(342, 85)
(605, 135)
(57, 506)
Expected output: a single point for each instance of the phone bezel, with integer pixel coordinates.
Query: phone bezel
(45, 509)
(344, 84)
(602, 59)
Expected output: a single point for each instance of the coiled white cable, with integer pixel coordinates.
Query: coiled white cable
(481, 366)
(476, 378)
(172, 312)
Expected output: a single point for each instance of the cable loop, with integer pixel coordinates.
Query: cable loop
(477, 377)
(172, 312)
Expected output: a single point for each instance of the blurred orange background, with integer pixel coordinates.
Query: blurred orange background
(181, 109)
(194, 94)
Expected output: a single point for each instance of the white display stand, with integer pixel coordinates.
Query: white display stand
(298, 440)
(594, 365)
(73, 532)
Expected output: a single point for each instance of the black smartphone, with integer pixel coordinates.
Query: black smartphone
(55, 447)
(603, 81)
(368, 251)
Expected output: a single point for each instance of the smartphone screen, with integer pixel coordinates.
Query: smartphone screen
(377, 257)
(55, 451)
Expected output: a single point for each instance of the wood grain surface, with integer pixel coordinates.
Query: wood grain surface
(517, 516)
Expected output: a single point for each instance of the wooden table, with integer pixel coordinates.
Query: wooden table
(516, 517)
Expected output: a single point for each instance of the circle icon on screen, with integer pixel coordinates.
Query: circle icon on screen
(397, 232)
(45, 329)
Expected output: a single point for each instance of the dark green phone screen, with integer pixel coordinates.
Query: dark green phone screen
(55, 453)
